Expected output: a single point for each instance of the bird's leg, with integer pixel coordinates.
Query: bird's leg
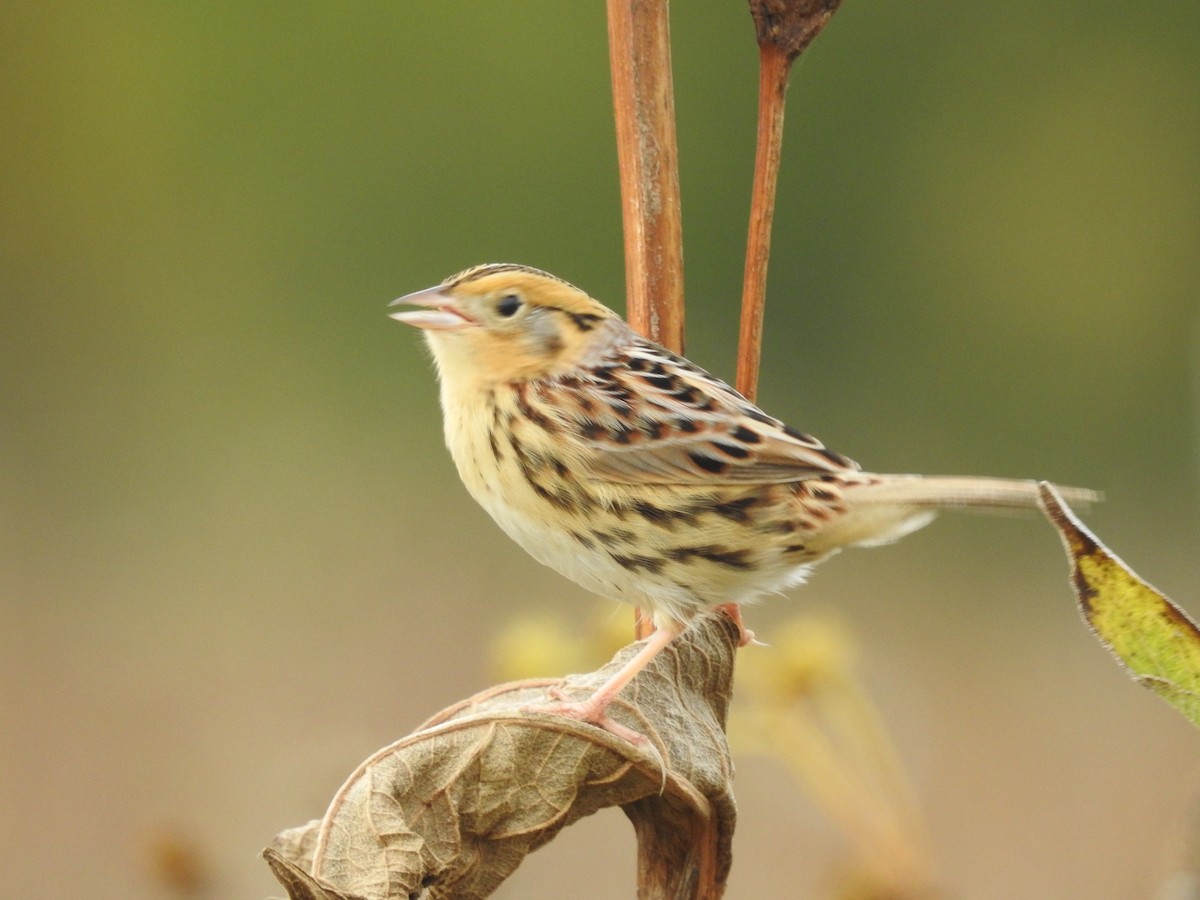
(734, 611)
(595, 708)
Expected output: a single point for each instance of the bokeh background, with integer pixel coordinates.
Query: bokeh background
(235, 559)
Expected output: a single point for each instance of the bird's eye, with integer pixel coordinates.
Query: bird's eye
(508, 305)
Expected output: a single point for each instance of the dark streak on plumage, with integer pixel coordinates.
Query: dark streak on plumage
(518, 450)
(836, 458)
(527, 409)
(619, 509)
(651, 564)
(560, 499)
(818, 511)
(662, 382)
(707, 463)
(735, 510)
(653, 514)
(614, 387)
(584, 321)
(734, 450)
(622, 434)
(604, 537)
(732, 559)
(620, 408)
(746, 435)
(494, 430)
(758, 415)
(800, 436)
(651, 428)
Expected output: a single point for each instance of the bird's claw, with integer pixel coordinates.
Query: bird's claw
(745, 635)
(585, 711)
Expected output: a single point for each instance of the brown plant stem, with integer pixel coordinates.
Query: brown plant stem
(648, 157)
(677, 849)
(774, 67)
(689, 865)
(784, 28)
(639, 48)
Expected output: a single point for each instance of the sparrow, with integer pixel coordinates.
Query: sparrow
(637, 474)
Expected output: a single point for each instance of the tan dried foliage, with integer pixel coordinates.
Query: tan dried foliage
(452, 809)
(791, 25)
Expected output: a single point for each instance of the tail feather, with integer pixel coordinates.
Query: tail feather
(883, 508)
(959, 491)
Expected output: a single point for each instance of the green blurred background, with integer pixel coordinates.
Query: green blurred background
(236, 559)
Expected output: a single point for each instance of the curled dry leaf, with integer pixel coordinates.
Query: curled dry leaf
(1148, 634)
(452, 809)
(791, 25)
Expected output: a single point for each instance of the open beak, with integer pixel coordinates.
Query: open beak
(438, 313)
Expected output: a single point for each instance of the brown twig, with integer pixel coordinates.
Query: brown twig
(639, 47)
(648, 156)
(774, 67)
(686, 859)
(784, 28)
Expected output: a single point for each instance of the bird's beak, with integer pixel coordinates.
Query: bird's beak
(439, 313)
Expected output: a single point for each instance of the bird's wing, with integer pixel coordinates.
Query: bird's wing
(647, 416)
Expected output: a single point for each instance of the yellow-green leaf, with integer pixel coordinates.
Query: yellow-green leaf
(1150, 635)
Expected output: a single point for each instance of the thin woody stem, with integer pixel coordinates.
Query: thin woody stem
(774, 67)
(784, 28)
(639, 47)
(648, 157)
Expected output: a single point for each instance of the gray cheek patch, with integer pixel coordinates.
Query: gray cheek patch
(543, 334)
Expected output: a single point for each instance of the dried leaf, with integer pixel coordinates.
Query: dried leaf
(791, 25)
(1148, 634)
(300, 885)
(452, 809)
(298, 844)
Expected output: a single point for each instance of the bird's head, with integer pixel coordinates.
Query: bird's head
(503, 322)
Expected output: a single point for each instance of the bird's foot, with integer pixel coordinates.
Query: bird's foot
(745, 635)
(588, 711)
(594, 710)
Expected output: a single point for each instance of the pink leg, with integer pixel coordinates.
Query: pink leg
(595, 708)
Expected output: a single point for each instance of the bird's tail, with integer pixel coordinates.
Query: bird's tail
(883, 508)
(938, 491)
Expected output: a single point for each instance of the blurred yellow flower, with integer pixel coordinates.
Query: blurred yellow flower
(546, 646)
(804, 655)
